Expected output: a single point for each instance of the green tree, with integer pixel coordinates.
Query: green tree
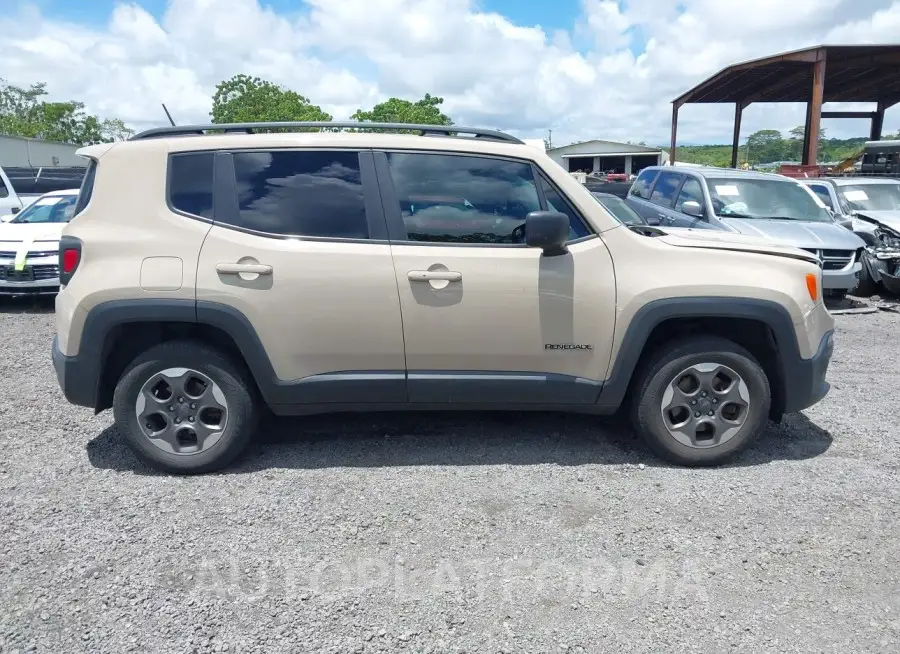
(423, 112)
(795, 143)
(765, 146)
(245, 99)
(23, 112)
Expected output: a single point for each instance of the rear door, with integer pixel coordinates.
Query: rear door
(298, 250)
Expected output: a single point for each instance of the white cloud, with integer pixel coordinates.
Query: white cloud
(613, 76)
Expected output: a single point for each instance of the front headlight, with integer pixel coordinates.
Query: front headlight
(884, 245)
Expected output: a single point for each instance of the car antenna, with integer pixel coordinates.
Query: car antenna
(168, 115)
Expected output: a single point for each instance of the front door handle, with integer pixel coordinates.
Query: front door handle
(434, 276)
(664, 218)
(238, 268)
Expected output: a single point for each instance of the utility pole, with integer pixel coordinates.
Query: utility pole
(549, 138)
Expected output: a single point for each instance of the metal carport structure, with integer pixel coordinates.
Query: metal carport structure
(826, 73)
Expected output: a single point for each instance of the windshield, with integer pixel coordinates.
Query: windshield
(49, 209)
(620, 210)
(764, 198)
(872, 197)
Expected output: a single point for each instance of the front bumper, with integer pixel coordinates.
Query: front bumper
(42, 274)
(842, 280)
(77, 379)
(804, 383)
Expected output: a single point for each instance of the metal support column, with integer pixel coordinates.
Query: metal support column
(814, 114)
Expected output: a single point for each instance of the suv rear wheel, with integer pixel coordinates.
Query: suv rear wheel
(701, 401)
(184, 408)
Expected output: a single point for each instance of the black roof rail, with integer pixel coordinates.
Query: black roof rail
(249, 128)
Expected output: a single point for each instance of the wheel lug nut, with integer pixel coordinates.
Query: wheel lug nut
(697, 414)
(693, 402)
(193, 406)
(703, 393)
(171, 408)
(710, 413)
(177, 420)
(181, 400)
(715, 401)
(191, 418)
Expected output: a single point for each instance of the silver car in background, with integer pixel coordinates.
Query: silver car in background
(774, 207)
(870, 207)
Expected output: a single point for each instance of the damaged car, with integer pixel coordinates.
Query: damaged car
(870, 206)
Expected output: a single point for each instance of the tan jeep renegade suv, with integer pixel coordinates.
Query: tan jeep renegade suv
(211, 271)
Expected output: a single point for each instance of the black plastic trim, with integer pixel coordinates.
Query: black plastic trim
(501, 388)
(798, 373)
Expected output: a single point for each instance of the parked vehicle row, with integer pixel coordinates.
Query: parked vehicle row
(870, 207)
(324, 271)
(29, 245)
(20, 186)
(772, 207)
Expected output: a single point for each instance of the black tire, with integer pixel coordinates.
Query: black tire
(866, 287)
(238, 392)
(659, 371)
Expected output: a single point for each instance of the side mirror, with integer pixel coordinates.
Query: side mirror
(652, 220)
(692, 208)
(548, 230)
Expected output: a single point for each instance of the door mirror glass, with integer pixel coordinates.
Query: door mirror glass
(548, 230)
(653, 220)
(692, 208)
(15, 210)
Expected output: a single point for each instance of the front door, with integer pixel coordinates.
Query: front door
(486, 319)
(294, 252)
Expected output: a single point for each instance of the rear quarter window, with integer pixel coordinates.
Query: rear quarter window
(191, 183)
(86, 189)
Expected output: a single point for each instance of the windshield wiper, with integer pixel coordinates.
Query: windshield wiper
(735, 215)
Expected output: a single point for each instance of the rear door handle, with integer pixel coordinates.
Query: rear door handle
(238, 268)
(433, 276)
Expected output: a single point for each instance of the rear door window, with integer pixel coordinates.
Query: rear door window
(4, 192)
(86, 189)
(312, 193)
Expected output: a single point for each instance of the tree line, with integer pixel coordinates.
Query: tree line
(247, 99)
(767, 146)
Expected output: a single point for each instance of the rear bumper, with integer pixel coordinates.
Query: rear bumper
(77, 380)
(805, 378)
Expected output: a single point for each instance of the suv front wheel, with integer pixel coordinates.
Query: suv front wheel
(184, 408)
(701, 401)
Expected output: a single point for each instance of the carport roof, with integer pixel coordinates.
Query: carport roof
(854, 73)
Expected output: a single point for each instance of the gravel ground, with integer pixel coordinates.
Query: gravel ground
(443, 533)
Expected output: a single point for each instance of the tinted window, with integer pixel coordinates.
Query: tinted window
(301, 193)
(556, 202)
(823, 194)
(86, 189)
(690, 190)
(191, 183)
(462, 199)
(3, 192)
(665, 189)
(644, 183)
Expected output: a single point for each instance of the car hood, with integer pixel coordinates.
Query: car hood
(890, 219)
(801, 234)
(19, 232)
(717, 240)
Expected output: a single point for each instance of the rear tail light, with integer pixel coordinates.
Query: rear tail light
(69, 258)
